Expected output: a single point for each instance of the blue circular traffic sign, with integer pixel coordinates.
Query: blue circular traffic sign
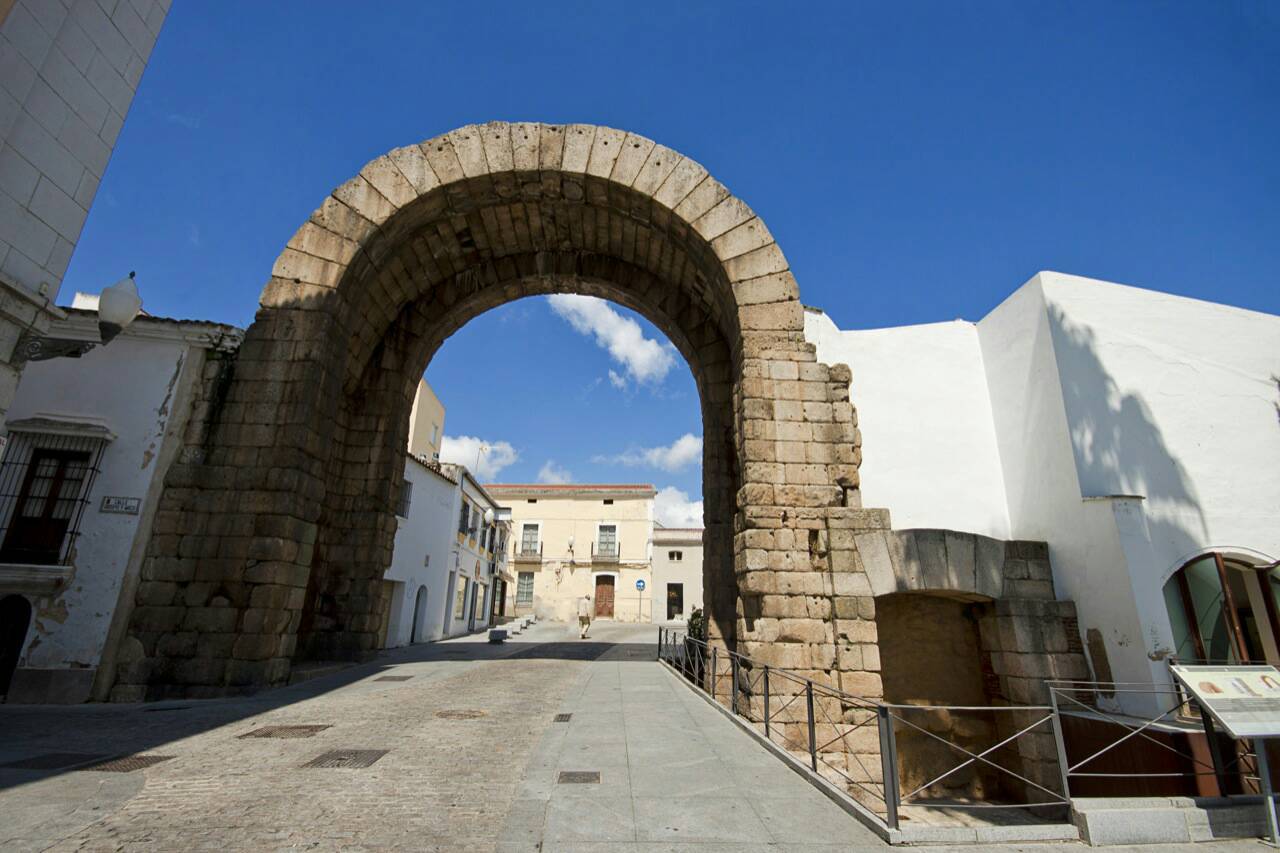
(640, 584)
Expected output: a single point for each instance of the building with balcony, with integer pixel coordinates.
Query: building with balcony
(578, 539)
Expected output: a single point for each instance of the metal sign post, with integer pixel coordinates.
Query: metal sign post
(1244, 701)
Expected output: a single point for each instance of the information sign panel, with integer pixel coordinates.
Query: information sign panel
(1244, 699)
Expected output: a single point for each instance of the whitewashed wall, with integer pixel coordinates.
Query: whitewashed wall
(421, 555)
(1129, 429)
(70, 628)
(929, 448)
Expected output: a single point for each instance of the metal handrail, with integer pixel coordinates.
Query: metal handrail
(700, 662)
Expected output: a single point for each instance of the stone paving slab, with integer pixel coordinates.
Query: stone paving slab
(675, 774)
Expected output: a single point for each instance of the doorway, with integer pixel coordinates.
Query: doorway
(15, 619)
(604, 596)
(418, 632)
(675, 601)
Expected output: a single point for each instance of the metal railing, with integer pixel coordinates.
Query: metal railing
(853, 741)
(527, 553)
(605, 552)
(1174, 709)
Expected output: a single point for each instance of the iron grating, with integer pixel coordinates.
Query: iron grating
(574, 777)
(347, 758)
(393, 678)
(286, 731)
(51, 761)
(460, 714)
(563, 718)
(128, 763)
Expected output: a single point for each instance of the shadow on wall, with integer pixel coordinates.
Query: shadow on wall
(1119, 448)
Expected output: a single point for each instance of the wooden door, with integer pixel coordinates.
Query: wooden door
(604, 597)
(675, 600)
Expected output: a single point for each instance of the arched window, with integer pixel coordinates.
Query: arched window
(1224, 610)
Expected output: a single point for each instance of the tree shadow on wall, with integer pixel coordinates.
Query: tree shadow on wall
(1119, 447)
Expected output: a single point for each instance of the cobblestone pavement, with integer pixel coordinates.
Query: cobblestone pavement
(675, 775)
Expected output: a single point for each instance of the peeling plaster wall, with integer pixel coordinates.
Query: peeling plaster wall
(130, 386)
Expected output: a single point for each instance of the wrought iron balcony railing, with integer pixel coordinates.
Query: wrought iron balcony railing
(527, 553)
(605, 552)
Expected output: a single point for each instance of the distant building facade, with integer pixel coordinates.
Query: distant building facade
(426, 423)
(90, 439)
(569, 541)
(68, 73)
(677, 572)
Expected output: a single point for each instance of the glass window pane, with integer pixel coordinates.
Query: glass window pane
(1184, 643)
(1208, 601)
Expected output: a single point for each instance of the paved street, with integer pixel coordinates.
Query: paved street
(472, 762)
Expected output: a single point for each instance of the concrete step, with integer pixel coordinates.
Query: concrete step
(1104, 821)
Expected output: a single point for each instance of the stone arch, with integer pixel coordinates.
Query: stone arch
(285, 493)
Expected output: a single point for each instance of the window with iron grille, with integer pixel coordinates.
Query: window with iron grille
(524, 588)
(406, 498)
(45, 482)
(465, 518)
(608, 540)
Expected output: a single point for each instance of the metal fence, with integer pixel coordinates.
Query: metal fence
(854, 742)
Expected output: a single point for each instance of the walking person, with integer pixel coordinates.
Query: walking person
(584, 616)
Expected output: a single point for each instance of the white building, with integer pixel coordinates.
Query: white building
(479, 574)
(421, 569)
(1135, 432)
(89, 440)
(677, 572)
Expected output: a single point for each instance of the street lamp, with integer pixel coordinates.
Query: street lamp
(118, 306)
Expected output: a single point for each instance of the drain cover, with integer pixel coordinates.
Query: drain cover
(563, 718)
(128, 763)
(52, 761)
(394, 678)
(570, 777)
(286, 731)
(349, 758)
(460, 714)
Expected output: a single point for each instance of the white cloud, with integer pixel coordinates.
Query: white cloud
(190, 122)
(553, 474)
(462, 450)
(672, 508)
(193, 235)
(645, 359)
(681, 453)
(617, 380)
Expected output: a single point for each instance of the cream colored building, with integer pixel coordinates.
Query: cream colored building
(574, 540)
(426, 423)
(677, 572)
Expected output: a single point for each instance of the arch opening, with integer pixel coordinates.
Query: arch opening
(294, 465)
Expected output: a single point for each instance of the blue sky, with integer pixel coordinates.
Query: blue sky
(916, 162)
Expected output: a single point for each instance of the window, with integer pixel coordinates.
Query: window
(1224, 611)
(435, 432)
(406, 498)
(608, 540)
(475, 521)
(465, 518)
(533, 500)
(608, 501)
(460, 599)
(524, 588)
(529, 540)
(44, 488)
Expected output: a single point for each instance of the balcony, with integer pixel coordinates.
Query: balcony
(605, 552)
(528, 553)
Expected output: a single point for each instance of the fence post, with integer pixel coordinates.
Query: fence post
(1063, 767)
(813, 742)
(888, 764)
(733, 696)
(766, 701)
(713, 671)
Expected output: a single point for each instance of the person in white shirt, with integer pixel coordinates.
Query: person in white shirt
(584, 616)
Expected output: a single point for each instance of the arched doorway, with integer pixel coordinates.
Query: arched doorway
(420, 633)
(15, 620)
(1224, 607)
(299, 460)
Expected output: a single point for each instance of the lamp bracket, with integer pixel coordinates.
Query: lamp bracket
(40, 348)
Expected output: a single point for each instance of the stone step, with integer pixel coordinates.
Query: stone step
(1106, 821)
